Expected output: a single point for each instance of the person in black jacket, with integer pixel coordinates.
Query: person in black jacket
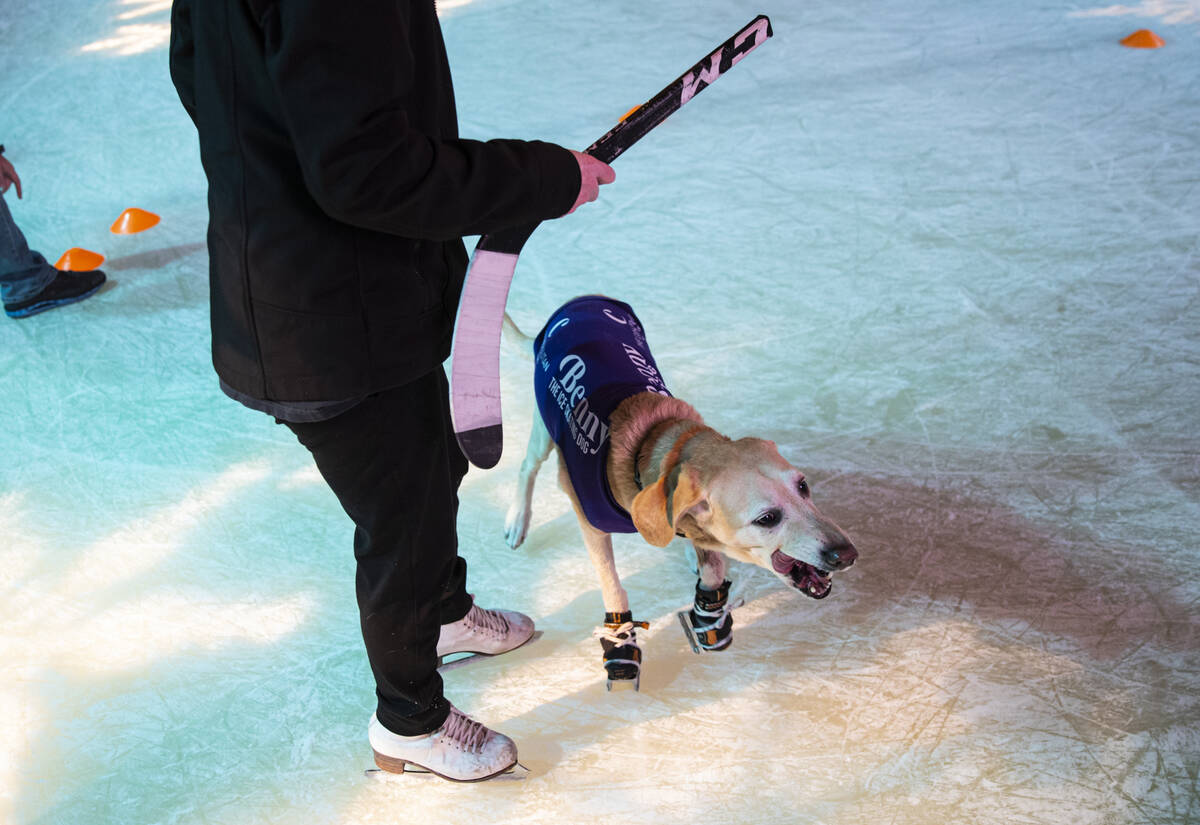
(338, 193)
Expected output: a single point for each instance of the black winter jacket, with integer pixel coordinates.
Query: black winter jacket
(339, 190)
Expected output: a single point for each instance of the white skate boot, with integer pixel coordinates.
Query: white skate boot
(462, 749)
(484, 631)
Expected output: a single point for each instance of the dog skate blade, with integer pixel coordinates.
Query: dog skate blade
(636, 681)
(687, 631)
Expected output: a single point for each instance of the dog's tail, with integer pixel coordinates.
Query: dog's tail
(515, 340)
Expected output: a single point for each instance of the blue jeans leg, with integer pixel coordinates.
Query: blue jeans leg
(23, 273)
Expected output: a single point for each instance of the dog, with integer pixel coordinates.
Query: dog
(634, 458)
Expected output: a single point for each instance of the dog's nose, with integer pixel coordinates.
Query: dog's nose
(839, 557)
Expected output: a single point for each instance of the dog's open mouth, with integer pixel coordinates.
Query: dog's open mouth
(811, 581)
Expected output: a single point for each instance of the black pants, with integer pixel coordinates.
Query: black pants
(395, 467)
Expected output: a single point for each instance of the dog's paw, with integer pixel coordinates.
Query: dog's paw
(516, 526)
(623, 664)
(622, 656)
(709, 624)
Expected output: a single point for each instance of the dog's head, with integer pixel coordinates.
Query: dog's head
(744, 499)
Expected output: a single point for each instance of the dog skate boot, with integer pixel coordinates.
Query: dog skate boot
(709, 624)
(622, 656)
(486, 632)
(461, 750)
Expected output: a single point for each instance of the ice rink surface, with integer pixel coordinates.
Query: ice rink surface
(945, 254)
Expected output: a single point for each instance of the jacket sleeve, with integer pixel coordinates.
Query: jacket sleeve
(182, 54)
(343, 73)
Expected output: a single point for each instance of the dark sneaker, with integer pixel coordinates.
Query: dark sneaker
(66, 288)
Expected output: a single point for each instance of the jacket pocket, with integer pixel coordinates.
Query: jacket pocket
(311, 356)
(396, 276)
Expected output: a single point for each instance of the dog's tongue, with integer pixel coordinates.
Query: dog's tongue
(782, 563)
(813, 582)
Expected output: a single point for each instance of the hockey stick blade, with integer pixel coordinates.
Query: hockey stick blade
(475, 353)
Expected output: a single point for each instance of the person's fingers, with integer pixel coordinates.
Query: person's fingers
(10, 176)
(597, 169)
(592, 173)
(604, 172)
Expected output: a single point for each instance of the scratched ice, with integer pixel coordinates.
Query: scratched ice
(945, 254)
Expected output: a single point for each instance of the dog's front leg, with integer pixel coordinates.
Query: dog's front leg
(710, 565)
(618, 635)
(709, 624)
(520, 511)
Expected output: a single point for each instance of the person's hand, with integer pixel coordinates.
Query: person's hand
(8, 176)
(592, 173)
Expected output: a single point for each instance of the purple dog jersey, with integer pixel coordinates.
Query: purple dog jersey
(591, 356)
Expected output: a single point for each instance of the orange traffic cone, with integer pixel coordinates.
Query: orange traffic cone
(134, 220)
(1143, 39)
(79, 260)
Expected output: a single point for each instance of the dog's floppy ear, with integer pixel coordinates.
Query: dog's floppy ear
(657, 509)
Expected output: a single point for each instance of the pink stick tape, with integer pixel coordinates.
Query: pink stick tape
(476, 342)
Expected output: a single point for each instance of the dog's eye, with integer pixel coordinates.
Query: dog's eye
(802, 488)
(769, 518)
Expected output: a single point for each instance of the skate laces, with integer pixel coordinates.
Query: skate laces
(716, 617)
(619, 634)
(709, 622)
(464, 730)
(490, 620)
